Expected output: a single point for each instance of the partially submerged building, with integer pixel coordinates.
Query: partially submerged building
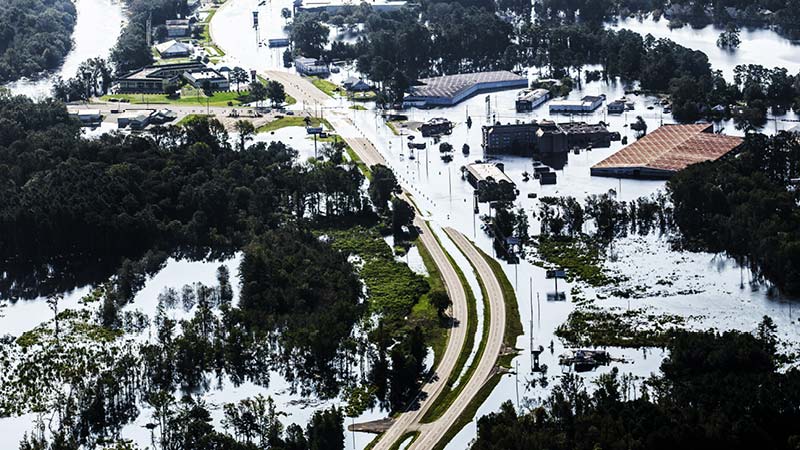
(310, 66)
(490, 181)
(545, 137)
(585, 105)
(449, 90)
(530, 99)
(667, 150)
(437, 126)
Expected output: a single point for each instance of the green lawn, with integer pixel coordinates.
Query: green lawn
(291, 121)
(326, 86)
(189, 96)
(358, 107)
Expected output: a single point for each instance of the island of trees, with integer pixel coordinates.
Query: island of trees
(35, 36)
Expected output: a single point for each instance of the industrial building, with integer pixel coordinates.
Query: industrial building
(88, 117)
(449, 90)
(528, 100)
(545, 137)
(585, 105)
(665, 151)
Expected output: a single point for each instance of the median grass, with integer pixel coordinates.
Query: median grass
(448, 395)
(410, 434)
(325, 86)
(189, 97)
(291, 121)
(513, 329)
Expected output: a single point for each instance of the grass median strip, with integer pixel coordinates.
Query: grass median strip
(448, 395)
(513, 329)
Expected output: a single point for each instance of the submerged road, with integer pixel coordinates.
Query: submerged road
(311, 98)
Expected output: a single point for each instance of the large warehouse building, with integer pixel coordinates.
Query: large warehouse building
(449, 90)
(665, 151)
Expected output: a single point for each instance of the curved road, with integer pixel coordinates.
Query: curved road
(309, 96)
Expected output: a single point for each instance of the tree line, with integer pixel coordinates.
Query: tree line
(35, 36)
(714, 390)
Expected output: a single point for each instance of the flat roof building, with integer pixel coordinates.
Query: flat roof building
(545, 137)
(152, 78)
(528, 100)
(449, 90)
(478, 173)
(310, 66)
(587, 104)
(665, 151)
(207, 78)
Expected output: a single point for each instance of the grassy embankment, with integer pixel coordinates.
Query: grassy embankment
(513, 329)
(448, 395)
(329, 88)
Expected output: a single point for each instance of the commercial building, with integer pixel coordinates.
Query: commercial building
(152, 78)
(478, 173)
(207, 79)
(135, 119)
(178, 27)
(310, 66)
(528, 100)
(545, 137)
(174, 49)
(87, 116)
(587, 104)
(449, 90)
(616, 107)
(665, 151)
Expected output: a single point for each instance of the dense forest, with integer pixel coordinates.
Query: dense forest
(714, 391)
(746, 206)
(128, 202)
(131, 50)
(35, 36)
(397, 48)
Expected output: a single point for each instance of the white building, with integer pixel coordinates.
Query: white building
(174, 49)
(587, 104)
(207, 79)
(310, 66)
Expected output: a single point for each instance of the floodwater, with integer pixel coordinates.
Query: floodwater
(96, 30)
(758, 46)
(720, 299)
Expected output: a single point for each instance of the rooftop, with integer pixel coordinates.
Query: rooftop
(450, 85)
(671, 148)
(486, 171)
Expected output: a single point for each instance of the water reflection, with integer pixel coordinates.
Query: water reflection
(98, 25)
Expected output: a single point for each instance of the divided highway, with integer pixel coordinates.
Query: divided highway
(311, 98)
